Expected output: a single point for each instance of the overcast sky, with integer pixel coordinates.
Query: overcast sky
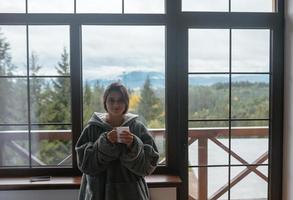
(83, 6)
(113, 50)
(133, 6)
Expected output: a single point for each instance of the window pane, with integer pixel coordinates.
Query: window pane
(251, 186)
(12, 6)
(52, 6)
(208, 183)
(14, 146)
(252, 134)
(49, 50)
(250, 50)
(206, 5)
(51, 145)
(99, 6)
(208, 50)
(13, 100)
(144, 6)
(250, 96)
(134, 55)
(50, 100)
(208, 143)
(208, 97)
(253, 5)
(13, 50)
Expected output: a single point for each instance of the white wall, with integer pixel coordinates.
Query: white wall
(156, 194)
(288, 110)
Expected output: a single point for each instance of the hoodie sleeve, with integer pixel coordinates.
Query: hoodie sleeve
(94, 151)
(142, 157)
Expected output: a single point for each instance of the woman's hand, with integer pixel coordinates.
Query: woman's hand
(126, 137)
(112, 136)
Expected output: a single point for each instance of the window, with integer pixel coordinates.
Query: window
(135, 56)
(55, 89)
(210, 73)
(229, 5)
(229, 113)
(36, 97)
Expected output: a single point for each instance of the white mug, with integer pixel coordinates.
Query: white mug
(120, 130)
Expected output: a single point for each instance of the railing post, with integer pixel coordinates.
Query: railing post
(202, 171)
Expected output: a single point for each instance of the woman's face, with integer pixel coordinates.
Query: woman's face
(115, 104)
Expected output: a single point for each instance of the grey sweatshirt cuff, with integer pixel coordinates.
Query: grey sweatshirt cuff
(130, 154)
(107, 148)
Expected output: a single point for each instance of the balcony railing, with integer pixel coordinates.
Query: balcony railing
(198, 186)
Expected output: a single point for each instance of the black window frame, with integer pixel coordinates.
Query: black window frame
(240, 20)
(176, 23)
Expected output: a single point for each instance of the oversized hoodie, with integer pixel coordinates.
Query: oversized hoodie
(113, 171)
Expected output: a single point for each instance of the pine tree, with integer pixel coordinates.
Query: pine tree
(56, 108)
(61, 92)
(87, 98)
(6, 67)
(92, 100)
(6, 84)
(149, 107)
(36, 96)
(97, 97)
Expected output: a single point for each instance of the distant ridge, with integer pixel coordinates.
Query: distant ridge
(136, 79)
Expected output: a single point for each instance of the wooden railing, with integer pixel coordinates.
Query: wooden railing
(198, 184)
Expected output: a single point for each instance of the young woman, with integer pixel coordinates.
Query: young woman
(112, 170)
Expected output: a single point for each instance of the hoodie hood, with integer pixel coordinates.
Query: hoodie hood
(99, 119)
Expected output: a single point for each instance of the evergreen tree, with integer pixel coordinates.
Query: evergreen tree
(60, 108)
(6, 84)
(6, 67)
(56, 108)
(36, 96)
(149, 107)
(97, 98)
(92, 100)
(87, 98)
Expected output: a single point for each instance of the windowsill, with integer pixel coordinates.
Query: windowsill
(153, 181)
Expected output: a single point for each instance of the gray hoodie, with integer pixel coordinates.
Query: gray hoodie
(113, 171)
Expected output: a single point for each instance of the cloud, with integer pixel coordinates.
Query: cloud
(206, 5)
(16, 37)
(12, 6)
(223, 5)
(83, 6)
(107, 72)
(250, 50)
(127, 48)
(123, 49)
(209, 50)
(99, 6)
(52, 6)
(144, 6)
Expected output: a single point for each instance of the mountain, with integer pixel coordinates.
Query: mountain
(207, 80)
(136, 79)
